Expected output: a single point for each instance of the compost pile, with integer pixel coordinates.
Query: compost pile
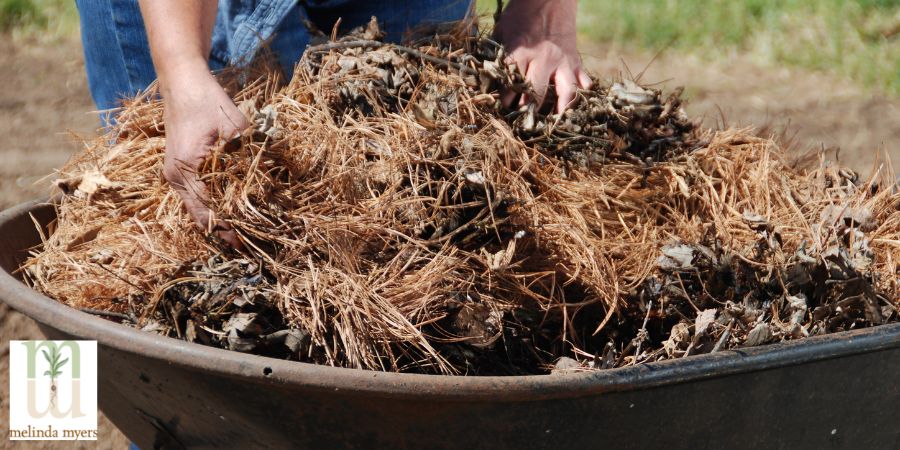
(395, 216)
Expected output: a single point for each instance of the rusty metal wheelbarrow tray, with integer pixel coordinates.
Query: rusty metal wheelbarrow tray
(836, 391)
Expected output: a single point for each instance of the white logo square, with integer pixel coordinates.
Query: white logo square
(53, 390)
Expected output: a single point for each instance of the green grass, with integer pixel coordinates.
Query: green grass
(45, 18)
(18, 12)
(859, 39)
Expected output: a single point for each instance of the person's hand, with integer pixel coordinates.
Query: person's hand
(198, 115)
(541, 39)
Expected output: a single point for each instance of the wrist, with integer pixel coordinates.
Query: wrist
(535, 20)
(542, 6)
(178, 74)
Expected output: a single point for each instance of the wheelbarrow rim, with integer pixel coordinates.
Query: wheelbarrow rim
(228, 363)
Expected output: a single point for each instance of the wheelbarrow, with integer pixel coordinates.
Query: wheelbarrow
(835, 391)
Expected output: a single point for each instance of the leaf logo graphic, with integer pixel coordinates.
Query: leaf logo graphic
(55, 371)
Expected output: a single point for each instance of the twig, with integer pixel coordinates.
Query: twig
(327, 47)
(409, 51)
(642, 333)
(103, 266)
(99, 312)
(276, 337)
(434, 59)
(722, 339)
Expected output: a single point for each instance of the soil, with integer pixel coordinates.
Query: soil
(43, 93)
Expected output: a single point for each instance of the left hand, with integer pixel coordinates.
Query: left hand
(541, 39)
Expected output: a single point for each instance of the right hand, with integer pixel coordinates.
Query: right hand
(541, 39)
(198, 115)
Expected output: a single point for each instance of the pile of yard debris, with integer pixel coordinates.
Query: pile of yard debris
(395, 216)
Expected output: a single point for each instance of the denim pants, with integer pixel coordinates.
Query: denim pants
(117, 54)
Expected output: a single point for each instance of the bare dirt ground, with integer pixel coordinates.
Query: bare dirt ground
(43, 93)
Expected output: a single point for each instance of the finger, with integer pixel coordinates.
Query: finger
(195, 200)
(525, 99)
(565, 89)
(521, 61)
(195, 196)
(231, 238)
(584, 80)
(233, 126)
(509, 95)
(539, 76)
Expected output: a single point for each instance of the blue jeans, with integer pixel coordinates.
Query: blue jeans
(117, 55)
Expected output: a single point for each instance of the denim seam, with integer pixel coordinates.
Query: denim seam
(258, 27)
(128, 65)
(220, 55)
(247, 30)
